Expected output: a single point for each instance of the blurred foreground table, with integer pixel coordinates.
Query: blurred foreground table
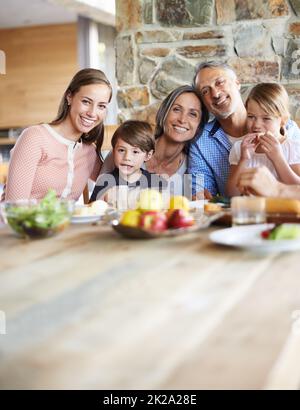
(88, 309)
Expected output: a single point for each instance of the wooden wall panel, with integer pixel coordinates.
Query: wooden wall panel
(40, 61)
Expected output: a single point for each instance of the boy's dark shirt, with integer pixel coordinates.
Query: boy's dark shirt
(111, 179)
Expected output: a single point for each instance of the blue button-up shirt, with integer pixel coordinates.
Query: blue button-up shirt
(209, 157)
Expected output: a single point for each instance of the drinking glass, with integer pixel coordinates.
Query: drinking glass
(248, 210)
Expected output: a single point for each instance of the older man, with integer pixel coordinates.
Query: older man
(219, 88)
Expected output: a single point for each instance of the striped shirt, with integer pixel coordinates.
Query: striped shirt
(43, 159)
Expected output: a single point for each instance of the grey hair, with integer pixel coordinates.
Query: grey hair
(167, 103)
(213, 64)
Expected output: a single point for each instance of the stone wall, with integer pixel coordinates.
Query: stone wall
(160, 42)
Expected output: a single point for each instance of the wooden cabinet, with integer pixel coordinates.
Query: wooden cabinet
(6, 145)
(6, 142)
(40, 62)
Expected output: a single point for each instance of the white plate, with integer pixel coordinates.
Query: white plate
(85, 219)
(248, 237)
(201, 202)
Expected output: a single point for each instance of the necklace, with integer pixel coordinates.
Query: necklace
(167, 166)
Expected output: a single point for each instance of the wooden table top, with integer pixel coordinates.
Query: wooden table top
(89, 309)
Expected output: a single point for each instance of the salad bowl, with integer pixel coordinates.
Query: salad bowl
(33, 219)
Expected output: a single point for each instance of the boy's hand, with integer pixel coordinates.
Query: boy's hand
(271, 146)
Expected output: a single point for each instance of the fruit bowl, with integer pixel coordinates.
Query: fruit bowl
(154, 217)
(32, 219)
(131, 232)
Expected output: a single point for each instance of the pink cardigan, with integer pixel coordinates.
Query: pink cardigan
(43, 159)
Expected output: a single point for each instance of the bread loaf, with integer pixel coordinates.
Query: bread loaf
(282, 206)
(211, 207)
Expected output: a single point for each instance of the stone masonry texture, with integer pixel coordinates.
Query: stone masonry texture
(160, 42)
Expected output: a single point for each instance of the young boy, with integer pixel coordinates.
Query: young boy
(133, 144)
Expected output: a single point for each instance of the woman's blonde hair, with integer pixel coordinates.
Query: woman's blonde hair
(87, 76)
(272, 98)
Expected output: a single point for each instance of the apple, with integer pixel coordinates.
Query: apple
(179, 218)
(150, 200)
(131, 218)
(179, 202)
(153, 221)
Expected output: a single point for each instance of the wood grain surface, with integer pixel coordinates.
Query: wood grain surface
(89, 309)
(41, 60)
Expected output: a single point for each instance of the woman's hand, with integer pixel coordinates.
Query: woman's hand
(271, 147)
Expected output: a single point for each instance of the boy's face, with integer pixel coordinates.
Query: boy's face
(129, 159)
(261, 122)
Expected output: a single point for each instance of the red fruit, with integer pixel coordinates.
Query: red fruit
(153, 221)
(265, 234)
(180, 218)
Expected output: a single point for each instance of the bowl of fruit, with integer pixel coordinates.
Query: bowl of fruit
(153, 219)
(33, 219)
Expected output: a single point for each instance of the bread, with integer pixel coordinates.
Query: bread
(94, 209)
(98, 207)
(282, 206)
(211, 207)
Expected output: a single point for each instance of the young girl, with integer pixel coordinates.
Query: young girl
(266, 144)
(61, 155)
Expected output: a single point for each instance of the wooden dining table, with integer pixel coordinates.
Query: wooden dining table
(89, 309)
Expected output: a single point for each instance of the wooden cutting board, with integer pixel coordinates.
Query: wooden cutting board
(279, 218)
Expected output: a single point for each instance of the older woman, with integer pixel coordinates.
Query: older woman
(61, 155)
(179, 119)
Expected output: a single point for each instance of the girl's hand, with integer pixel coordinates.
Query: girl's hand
(271, 146)
(249, 144)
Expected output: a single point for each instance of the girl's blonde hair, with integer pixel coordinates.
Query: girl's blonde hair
(272, 98)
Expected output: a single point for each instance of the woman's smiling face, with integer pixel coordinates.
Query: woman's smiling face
(88, 107)
(183, 118)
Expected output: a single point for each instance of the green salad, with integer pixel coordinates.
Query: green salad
(282, 231)
(38, 219)
(220, 199)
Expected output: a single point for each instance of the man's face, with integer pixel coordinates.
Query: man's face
(219, 90)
